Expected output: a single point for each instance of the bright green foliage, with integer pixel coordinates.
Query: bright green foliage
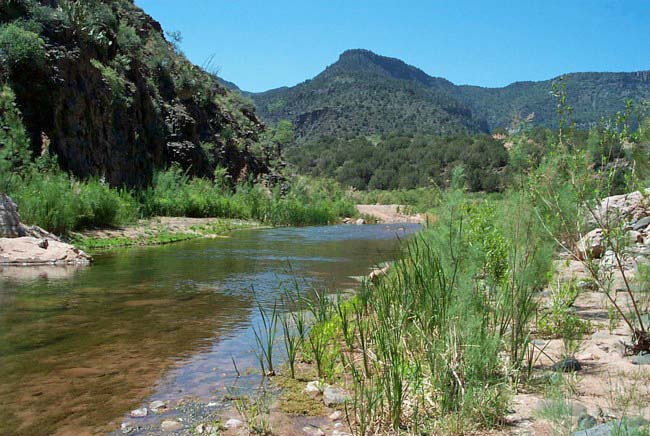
(19, 46)
(115, 82)
(308, 202)
(60, 204)
(560, 320)
(14, 151)
(443, 334)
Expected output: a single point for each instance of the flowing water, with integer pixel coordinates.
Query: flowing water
(81, 347)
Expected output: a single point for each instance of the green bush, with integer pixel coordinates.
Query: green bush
(14, 151)
(61, 204)
(19, 46)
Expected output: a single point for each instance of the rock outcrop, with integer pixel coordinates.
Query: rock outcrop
(9, 219)
(26, 251)
(22, 245)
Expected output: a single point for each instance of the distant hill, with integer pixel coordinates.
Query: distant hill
(364, 93)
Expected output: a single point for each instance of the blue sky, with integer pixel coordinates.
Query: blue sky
(262, 44)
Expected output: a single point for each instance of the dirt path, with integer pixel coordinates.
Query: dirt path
(388, 213)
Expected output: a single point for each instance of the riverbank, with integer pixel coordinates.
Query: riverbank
(159, 231)
(389, 213)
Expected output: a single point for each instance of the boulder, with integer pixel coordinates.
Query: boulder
(591, 246)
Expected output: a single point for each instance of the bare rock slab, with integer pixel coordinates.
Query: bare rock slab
(27, 251)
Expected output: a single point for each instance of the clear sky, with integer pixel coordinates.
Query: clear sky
(263, 44)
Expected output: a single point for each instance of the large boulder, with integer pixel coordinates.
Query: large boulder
(629, 207)
(27, 251)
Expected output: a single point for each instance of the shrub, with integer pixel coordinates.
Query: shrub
(19, 46)
(114, 81)
(14, 143)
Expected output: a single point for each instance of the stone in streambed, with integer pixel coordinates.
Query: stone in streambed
(569, 364)
(333, 396)
(158, 406)
(233, 423)
(312, 430)
(139, 413)
(315, 387)
(171, 426)
(641, 359)
(586, 421)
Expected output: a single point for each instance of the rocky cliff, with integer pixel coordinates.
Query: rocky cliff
(100, 87)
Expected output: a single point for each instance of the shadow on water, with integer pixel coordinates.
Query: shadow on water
(79, 348)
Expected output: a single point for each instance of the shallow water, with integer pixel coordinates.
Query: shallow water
(80, 348)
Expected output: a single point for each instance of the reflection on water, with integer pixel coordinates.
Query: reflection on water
(81, 347)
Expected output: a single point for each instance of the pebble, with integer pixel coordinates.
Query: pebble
(157, 406)
(171, 426)
(336, 415)
(126, 427)
(233, 423)
(361, 222)
(139, 413)
(312, 430)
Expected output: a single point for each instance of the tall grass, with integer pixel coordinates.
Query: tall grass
(308, 201)
(435, 345)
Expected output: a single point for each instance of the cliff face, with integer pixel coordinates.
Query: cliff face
(99, 86)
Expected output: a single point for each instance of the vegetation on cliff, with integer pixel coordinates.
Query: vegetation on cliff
(100, 87)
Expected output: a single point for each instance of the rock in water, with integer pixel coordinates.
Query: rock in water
(139, 413)
(157, 406)
(9, 219)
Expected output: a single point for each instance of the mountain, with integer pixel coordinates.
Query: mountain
(100, 87)
(364, 93)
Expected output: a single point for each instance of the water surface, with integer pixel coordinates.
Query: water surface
(80, 348)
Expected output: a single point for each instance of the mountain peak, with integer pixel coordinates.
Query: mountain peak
(365, 61)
